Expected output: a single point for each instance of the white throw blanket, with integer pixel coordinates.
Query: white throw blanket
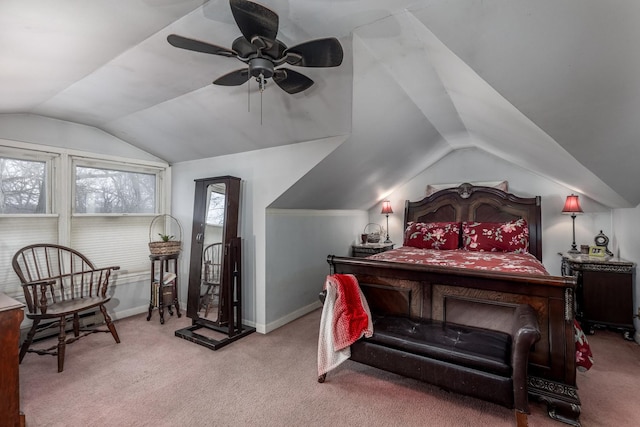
(341, 306)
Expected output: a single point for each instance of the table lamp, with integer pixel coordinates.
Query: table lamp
(572, 207)
(386, 210)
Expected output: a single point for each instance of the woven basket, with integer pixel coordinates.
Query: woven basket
(160, 247)
(165, 248)
(373, 232)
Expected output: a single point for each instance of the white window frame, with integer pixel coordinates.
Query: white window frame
(118, 166)
(50, 160)
(127, 166)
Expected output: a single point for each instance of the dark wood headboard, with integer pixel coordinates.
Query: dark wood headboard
(474, 203)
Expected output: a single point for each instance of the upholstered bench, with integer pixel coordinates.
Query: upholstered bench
(486, 364)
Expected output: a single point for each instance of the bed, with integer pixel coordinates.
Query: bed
(473, 292)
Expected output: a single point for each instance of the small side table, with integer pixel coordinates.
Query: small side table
(367, 249)
(604, 292)
(164, 285)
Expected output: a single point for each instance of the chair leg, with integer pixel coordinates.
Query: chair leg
(205, 300)
(76, 325)
(62, 343)
(110, 324)
(207, 305)
(27, 342)
(521, 419)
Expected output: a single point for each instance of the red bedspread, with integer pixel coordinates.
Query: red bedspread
(508, 262)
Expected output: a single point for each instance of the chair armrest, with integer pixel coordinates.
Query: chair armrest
(39, 282)
(35, 294)
(525, 333)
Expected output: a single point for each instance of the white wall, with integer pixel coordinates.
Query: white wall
(470, 165)
(626, 245)
(298, 243)
(265, 175)
(68, 135)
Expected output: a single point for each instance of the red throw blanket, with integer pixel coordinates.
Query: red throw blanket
(350, 320)
(345, 319)
(584, 357)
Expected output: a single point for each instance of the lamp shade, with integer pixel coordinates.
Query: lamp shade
(386, 208)
(572, 205)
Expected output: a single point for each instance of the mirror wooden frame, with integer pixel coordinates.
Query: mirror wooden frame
(229, 319)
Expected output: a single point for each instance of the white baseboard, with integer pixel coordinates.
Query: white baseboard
(265, 329)
(119, 315)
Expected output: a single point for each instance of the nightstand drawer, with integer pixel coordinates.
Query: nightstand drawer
(361, 251)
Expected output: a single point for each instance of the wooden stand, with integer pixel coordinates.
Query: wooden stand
(164, 285)
(11, 315)
(230, 320)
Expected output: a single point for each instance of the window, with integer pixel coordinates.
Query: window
(25, 213)
(23, 186)
(100, 207)
(114, 191)
(113, 206)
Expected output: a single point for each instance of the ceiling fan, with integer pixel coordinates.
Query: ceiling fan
(259, 48)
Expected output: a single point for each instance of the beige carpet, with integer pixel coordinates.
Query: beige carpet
(156, 379)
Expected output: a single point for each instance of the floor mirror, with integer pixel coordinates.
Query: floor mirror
(214, 300)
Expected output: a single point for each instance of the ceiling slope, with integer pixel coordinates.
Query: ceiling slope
(572, 68)
(463, 109)
(420, 78)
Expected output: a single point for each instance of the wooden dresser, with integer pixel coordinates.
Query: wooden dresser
(11, 315)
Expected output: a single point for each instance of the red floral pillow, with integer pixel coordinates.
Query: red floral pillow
(512, 236)
(433, 235)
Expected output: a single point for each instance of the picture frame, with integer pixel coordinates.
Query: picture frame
(597, 251)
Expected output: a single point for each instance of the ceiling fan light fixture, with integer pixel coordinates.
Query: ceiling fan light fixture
(261, 66)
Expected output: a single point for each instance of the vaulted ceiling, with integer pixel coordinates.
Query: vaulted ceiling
(553, 87)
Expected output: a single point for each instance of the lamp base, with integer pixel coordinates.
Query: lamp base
(388, 241)
(573, 251)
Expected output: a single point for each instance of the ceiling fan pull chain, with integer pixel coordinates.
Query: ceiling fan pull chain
(262, 84)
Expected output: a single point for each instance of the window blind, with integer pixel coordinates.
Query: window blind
(16, 233)
(113, 240)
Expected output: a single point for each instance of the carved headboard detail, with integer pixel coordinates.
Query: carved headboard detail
(477, 203)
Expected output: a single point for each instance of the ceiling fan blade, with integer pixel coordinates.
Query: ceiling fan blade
(254, 20)
(234, 78)
(276, 51)
(243, 47)
(198, 46)
(316, 53)
(291, 81)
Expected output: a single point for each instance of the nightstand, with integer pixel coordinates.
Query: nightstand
(604, 292)
(361, 251)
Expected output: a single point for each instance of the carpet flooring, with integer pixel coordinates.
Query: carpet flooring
(153, 378)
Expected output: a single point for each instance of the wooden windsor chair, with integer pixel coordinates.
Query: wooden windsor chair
(60, 283)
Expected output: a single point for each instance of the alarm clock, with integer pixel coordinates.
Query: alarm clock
(602, 240)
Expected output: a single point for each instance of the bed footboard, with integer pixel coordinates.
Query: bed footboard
(483, 299)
